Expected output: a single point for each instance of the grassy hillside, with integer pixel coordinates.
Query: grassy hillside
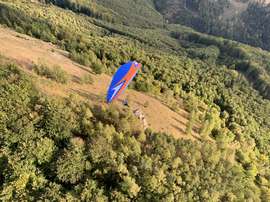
(133, 13)
(140, 12)
(224, 85)
(46, 60)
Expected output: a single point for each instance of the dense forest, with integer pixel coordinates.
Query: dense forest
(65, 149)
(57, 149)
(246, 21)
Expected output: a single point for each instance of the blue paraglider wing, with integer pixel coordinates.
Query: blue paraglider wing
(121, 79)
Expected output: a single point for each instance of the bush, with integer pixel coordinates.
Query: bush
(56, 73)
(97, 68)
(42, 70)
(143, 86)
(87, 79)
(80, 58)
(146, 104)
(71, 164)
(59, 75)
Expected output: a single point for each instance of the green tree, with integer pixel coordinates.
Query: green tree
(71, 164)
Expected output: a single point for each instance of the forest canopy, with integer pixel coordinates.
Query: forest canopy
(66, 149)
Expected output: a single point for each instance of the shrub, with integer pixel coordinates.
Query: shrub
(146, 104)
(143, 86)
(80, 58)
(87, 79)
(71, 164)
(42, 70)
(44, 150)
(97, 68)
(56, 73)
(59, 75)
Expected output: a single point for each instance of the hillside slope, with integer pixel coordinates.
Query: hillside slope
(246, 21)
(59, 148)
(27, 51)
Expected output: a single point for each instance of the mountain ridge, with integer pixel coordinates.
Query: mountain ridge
(243, 21)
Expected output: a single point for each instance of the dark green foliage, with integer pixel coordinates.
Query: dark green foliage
(97, 68)
(80, 58)
(89, 9)
(69, 150)
(71, 163)
(220, 18)
(57, 120)
(255, 21)
(25, 24)
(210, 53)
(143, 13)
(202, 15)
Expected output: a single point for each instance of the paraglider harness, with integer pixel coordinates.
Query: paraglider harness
(125, 102)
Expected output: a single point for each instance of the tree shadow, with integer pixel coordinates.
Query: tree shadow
(28, 64)
(76, 79)
(196, 129)
(197, 137)
(179, 121)
(178, 128)
(185, 115)
(87, 69)
(90, 96)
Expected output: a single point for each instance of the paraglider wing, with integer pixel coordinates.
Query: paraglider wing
(122, 79)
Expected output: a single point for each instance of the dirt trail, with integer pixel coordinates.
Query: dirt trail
(26, 51)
